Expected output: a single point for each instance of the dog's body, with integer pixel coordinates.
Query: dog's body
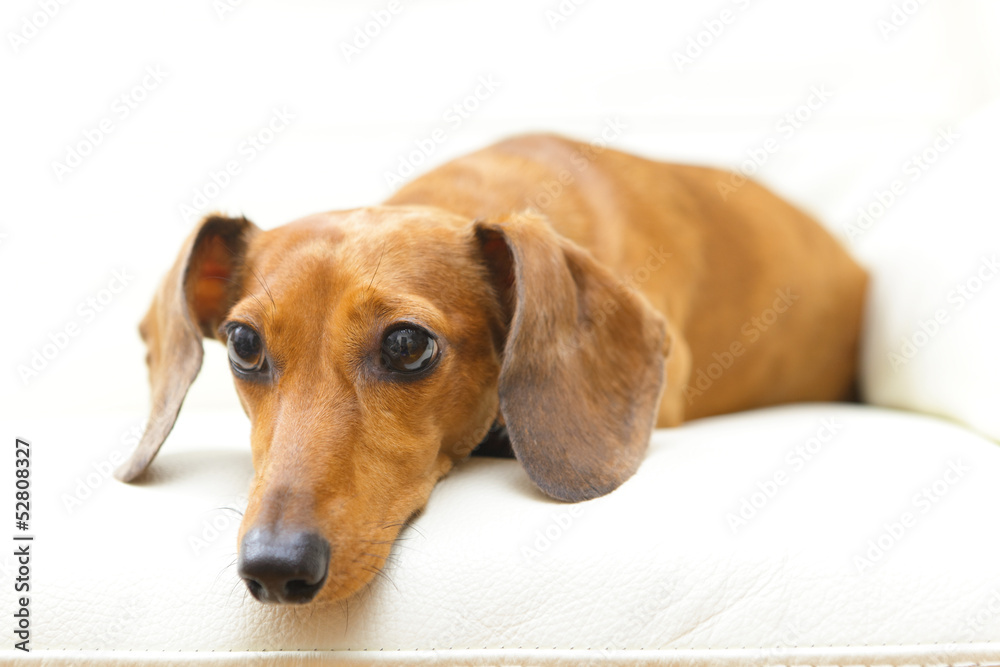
(375, 348)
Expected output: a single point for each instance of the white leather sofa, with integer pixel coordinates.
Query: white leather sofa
(800, 535)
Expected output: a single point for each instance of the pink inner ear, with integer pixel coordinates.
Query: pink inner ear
(212, 269)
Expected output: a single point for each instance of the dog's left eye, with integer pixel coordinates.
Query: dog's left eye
(246, 351)
(408, 350)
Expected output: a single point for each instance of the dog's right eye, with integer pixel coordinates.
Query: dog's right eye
(246, 351)
(409, 350)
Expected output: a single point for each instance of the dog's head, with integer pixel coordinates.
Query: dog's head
(373, 349)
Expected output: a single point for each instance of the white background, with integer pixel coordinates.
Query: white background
(62, 239)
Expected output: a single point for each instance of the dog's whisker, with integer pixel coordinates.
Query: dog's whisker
(233, 589)
(237, 511)
(224, 570)
(394, 543)
(270, 313)
(379, 573)
(377, 265)
(345, 605)
(402, 525)
(247, 292)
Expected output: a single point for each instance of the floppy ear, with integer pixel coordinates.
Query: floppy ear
(582, 368)
(190, 303)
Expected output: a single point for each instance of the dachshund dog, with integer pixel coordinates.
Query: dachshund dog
(544, 295)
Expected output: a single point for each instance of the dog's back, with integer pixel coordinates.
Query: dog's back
(763, 304)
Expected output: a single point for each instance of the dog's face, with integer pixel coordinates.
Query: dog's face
(373, 349)
(364, 383)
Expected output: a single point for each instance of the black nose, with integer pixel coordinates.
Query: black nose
(284, 566)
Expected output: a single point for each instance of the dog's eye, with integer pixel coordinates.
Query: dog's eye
(246, 351)
(408, 350)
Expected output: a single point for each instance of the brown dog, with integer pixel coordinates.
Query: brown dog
(579, 297)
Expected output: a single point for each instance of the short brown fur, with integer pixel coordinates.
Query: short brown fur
(580, 296)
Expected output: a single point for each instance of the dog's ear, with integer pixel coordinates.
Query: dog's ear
(190, 303)
(582, 369)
